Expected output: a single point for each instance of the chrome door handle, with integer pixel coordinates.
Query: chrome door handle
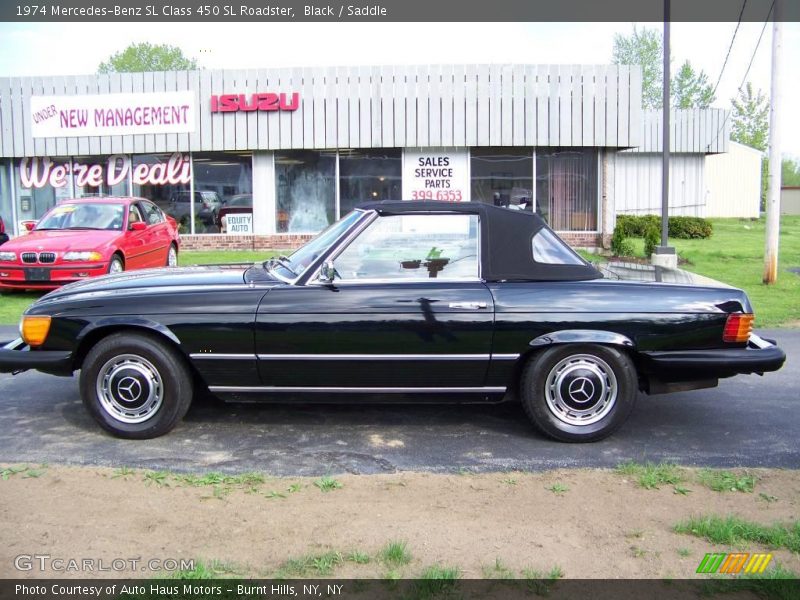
(468, 305)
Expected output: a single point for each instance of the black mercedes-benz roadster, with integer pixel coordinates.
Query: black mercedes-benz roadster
(397, 301)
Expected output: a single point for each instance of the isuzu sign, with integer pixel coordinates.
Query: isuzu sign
(252, 102)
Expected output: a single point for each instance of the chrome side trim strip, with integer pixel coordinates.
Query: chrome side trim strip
(374, 356)
(370, 390)
(224, 356)
(221, 356)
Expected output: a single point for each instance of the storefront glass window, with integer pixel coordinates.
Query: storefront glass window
(502, 176)
(6, 213)
(367, 175)
(41, 183)
(220, 178)
(169, 193)
(306, 190)
(566, 188)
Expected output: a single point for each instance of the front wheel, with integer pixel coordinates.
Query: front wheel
(135, 386)
(579, 392)
(116, 265)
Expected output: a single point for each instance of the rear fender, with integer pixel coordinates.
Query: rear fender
(581, 336)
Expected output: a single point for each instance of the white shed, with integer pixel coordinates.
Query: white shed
(733, 182)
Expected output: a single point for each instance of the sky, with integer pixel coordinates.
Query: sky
(32, 49)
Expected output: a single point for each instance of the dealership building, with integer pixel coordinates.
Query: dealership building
(294, 149)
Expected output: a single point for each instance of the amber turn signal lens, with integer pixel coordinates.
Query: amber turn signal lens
(738, 327)
(35, 329)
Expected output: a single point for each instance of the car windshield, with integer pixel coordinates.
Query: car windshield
(296, 264)
(84, 216)
(241, 201)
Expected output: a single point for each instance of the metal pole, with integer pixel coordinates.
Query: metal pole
(665, 136)
(773, 204)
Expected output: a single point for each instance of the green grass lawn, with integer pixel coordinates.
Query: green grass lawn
(734, 255)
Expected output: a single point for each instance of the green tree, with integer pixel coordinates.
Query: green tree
(147, 57)
(690, 89)
(643, 47)
(790, 172)
(750, 118)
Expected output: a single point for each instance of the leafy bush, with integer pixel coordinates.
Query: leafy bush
(651, 239)
(679, 227)
(620, 246)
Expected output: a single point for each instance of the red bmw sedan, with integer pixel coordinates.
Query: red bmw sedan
(87, 237)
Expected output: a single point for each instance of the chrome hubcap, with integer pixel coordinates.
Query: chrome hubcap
(130, 388)
(580, 389)
(172, 257)
(116, 267)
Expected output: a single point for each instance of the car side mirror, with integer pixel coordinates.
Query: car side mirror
(29, 225)
(327, 273)
(137, 226)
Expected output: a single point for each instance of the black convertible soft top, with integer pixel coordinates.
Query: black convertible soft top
(506, 240)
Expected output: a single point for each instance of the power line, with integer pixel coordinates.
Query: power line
(727, 56)
(746, 73)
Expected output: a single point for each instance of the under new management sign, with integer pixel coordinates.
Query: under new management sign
(112, 114)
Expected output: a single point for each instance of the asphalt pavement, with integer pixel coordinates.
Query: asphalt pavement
(748, 421)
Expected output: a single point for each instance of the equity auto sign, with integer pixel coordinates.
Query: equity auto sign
(267, 101)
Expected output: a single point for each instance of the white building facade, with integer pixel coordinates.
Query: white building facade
(296, 149)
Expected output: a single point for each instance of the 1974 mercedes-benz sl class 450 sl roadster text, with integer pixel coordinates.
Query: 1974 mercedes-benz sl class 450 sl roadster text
(397, 301)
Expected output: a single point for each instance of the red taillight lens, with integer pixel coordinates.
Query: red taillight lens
(738, 327)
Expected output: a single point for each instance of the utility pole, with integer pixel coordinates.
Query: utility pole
(664, 255)
(773, 204)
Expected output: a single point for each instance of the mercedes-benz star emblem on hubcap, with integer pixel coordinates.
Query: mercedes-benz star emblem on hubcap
(581, 389)
(129, 389)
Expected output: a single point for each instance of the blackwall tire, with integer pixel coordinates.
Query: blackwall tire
(135, 386)
(579, 392)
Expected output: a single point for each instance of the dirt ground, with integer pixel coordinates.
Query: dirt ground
(585, 523)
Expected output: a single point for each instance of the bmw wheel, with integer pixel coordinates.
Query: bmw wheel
(116, 265)
(135, 386)
(172, 256)
(579, 393)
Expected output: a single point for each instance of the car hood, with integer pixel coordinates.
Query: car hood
(645, 273)
(62, 240)
(150, 279)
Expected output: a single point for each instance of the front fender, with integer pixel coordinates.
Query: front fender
(585, 336)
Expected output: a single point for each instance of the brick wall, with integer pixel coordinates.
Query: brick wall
(243, 242)
(291, 241)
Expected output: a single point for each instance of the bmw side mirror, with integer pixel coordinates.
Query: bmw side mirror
(327, 273)
(137, 226)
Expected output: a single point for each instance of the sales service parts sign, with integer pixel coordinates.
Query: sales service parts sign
(112, 114)
(436, 174)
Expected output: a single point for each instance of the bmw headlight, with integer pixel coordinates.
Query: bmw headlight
(8, 256)
(83, 256)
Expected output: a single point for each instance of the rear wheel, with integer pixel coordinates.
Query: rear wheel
(172, 256)
(135, 386)
(579, 392)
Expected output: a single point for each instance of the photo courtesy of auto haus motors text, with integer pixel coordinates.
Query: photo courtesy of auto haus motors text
(179, 589)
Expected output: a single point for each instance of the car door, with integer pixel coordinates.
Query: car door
(135, 241)
(408, 312)
(159, 240)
